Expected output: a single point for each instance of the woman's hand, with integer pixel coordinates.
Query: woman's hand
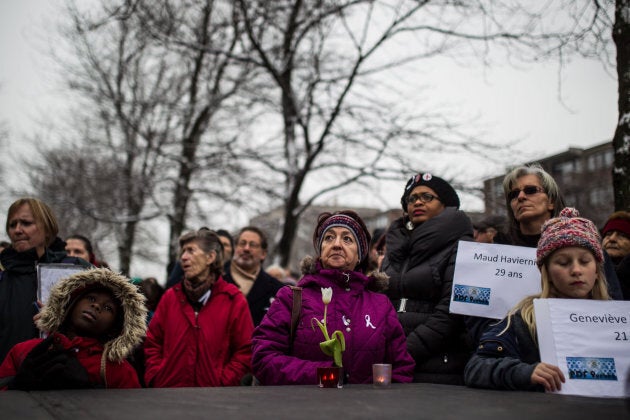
(549, 376)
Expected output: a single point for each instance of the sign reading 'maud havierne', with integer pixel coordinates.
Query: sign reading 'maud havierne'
(490, 279)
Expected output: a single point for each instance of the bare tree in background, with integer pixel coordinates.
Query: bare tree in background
(163, 85)
(78, 183)
(599, 30)
(148, 86)
(205, 35)
(325, 62)
(124, 115)
(621, 140)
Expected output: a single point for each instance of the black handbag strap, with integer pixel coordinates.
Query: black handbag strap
(295, 313)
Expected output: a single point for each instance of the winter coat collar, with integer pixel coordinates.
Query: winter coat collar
(218, 287)
(428, 238)
(26, 262)
(89, 345)
(314, 273)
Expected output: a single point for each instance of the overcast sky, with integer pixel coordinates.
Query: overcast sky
(511, 103)
(508, 103)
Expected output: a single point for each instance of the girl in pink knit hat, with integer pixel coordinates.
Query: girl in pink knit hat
(570, 259)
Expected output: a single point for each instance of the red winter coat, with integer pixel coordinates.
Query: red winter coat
(89, 352)
(211, 348)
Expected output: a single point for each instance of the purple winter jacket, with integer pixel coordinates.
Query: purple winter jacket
(367, 319)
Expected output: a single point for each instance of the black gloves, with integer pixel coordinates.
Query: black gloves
(48, 366)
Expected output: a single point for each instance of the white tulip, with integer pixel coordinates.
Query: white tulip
(326, 295)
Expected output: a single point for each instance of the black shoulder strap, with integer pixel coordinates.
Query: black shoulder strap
(295, 313)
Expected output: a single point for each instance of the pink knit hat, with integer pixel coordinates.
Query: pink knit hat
(569, 229)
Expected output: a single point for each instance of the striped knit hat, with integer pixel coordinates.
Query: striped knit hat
(356, 226)
(569, 229)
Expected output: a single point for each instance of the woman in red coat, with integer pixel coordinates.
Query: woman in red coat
(201, 332)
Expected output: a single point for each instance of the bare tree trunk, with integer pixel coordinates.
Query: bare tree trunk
(291, 221)
(621, 140)
(181, 197)
(125, 247)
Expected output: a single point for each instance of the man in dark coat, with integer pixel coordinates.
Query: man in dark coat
(246, 272)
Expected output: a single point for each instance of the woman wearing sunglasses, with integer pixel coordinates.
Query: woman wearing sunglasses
(420, 258)
(532, 197)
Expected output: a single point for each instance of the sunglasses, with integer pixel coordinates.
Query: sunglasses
(528, 190)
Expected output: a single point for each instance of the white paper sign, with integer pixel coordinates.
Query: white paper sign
(589, 340)
(49, 274)
(490, 279)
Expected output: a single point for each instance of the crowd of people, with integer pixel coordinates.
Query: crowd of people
(222, 319)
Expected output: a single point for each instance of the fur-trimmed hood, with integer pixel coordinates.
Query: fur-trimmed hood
(133, 306)
(378, 281)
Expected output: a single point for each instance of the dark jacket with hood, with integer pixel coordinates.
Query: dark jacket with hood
(366, 318)
(420, 264)
(105, 362)
(18, 291)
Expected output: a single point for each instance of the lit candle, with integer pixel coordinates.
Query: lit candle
(330, 377)
(382, 375)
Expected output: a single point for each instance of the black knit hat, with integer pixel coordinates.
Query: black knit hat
(443, 189)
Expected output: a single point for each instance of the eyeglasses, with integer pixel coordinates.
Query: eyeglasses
(527, 189)
(252, 244)
(424, 197)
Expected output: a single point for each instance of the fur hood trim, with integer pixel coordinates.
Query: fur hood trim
(378, 280)
(133, 306)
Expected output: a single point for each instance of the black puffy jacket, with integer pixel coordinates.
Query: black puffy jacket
(421, 264)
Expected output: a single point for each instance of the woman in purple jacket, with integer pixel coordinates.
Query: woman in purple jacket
(367, 318)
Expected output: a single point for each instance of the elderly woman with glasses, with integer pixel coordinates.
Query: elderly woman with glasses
(420, 260)
(338, 296)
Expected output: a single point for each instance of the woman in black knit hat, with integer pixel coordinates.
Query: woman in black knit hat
(420, 261)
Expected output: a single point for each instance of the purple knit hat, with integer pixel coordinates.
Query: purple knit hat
(361, 235)
(569, 229)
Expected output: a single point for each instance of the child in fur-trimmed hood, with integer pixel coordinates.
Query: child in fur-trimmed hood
(94, 319)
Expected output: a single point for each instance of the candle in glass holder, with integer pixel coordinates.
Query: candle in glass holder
(330, 377)
(382, 375)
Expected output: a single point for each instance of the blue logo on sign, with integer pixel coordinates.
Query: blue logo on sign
(471, 294)
(594, 368)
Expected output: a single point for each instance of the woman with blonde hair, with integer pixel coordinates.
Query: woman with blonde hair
(570, 259)
(32, 228)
